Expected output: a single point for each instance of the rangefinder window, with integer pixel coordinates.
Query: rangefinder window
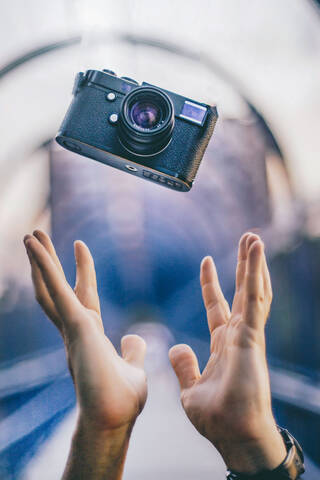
(193, 112)
(123, 124)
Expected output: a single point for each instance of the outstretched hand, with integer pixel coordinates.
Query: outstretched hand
(230, 402)
(111, 389)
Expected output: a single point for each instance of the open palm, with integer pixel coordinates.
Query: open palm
(111, 389)
(231, 398)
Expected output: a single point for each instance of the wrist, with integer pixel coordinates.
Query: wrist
(93, 430)
(99, 419)
(97, 453)
(264, 451)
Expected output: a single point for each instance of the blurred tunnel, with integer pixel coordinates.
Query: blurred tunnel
(259, 63)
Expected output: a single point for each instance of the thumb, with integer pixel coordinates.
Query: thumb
(133, 350)
(185, 364)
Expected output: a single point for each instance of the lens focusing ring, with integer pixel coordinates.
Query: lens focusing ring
(153, 109)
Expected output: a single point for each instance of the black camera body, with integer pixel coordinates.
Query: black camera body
(141, 129)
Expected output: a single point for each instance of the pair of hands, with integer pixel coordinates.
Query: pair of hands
(229, 403)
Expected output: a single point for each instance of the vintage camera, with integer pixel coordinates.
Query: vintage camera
(144, 130)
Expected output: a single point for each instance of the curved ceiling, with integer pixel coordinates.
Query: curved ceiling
(270, 48)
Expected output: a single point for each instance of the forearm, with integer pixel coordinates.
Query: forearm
(97, 455)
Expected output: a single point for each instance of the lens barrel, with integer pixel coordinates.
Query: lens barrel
(146, 121)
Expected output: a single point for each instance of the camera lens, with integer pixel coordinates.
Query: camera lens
(145, 114)
(146, 121)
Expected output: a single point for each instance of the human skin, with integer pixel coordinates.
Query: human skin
(111, 389)
(229, 403)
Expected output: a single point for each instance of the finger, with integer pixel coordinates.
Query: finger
(62, 295)
(246, 240)
(133, 350)
(45, 240)
(185, 365)
(254, 299)
(265, 272)
(42, 294)
(217, 308)
(242, 259)
(86, 282)
(266, 282)
(253, 237)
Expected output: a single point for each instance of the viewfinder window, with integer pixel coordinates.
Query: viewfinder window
(193, 112)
